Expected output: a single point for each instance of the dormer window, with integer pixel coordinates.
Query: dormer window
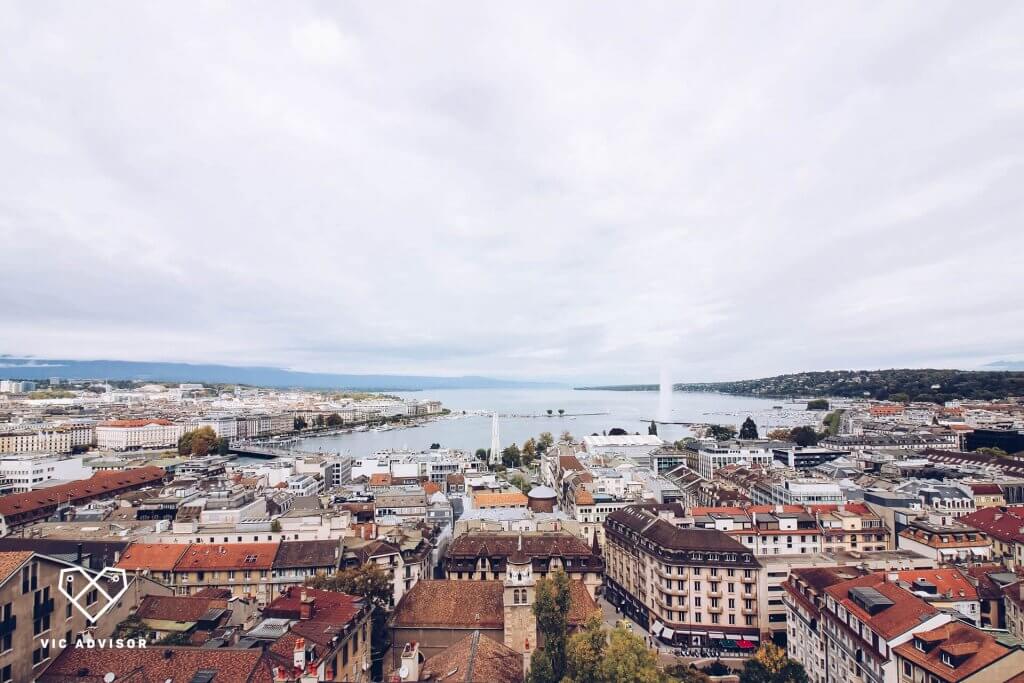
(920, 645)
(947, 660)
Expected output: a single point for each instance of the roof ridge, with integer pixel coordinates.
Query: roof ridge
(474, 641)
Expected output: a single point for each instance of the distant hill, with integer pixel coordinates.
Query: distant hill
(35, 368)
(914, 384)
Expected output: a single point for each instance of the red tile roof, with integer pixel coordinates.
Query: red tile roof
(211, 556)
(136, 423)
(978, 650)
(337, 608)
(159, 557)
(945, 580)
(907, 610)
(109, 482)
(1004, 523)
(158, 664)
(177, 607)
(10, 562)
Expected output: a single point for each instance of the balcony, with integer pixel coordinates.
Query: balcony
(748, 612)
(714, 610)
(715, 594)
(683, 592)
(748, 579)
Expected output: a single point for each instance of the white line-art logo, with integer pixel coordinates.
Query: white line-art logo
(77, 591)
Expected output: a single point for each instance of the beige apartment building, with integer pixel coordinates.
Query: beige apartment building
(686, 586)
(35, 616)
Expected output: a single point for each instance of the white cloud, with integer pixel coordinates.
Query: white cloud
(564, 192)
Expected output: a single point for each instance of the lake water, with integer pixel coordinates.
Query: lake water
(630, 410)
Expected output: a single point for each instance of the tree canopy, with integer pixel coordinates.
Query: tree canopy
(771, 665)
(551, 607)
(721, 432)
(749, 429)
(197, 442)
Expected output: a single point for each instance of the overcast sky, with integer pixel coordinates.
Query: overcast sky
(579, 192)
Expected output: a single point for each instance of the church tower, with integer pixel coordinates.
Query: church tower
(520, 622)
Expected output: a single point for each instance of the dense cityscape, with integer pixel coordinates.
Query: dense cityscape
(877, 542)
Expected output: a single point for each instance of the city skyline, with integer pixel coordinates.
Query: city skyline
(576, 194)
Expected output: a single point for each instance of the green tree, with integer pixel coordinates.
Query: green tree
(566, 437)
(617, 431)
(551, 607)
(275, 526)
(435, 446)
(817, 404)
(996, 451)
(197, 442)
(803, 436)
(561, 412)
(900, 397)
(545, 441)
(748, 430)
(833, 421)
(223, 445)
(627, 659)
(771, 665)
(511, 457)
(529, 451)
(686, 674)
(481, 454)
(299, 423)
(319, 420)
(653, 429)
(584, 651)
(550, 412)
(519, 482)
(334, 420)
(721, 432)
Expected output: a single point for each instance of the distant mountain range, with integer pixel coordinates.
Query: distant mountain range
(1007, 365)
(900, 384)
(37, 368)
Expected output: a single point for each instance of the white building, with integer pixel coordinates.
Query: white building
(28, 472)
(711, 457)
(123, 435)
(636, 447)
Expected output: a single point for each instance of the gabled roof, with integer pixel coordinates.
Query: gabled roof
(11, 561)
(907, 611)
(946, 581)
(1003, 523)
(177, 607)
(476, 658)
(158, 557)
(211, 556)
(146, 665)
(972, 650)
(110, 482)
(301, 554)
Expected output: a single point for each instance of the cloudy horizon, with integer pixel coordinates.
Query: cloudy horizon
(579, 193)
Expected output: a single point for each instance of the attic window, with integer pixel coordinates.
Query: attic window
(250, 559)
(919, 644)
(947, 660)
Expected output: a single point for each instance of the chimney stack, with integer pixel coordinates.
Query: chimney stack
(305, 606)
(299, 656)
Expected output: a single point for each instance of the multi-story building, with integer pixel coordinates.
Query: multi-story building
(852, 527)
(246, 569)
(1005, 529)
(958, 653)
(864, 619)
(711, 457)
(37, 621)
(48, 440)
(329, 635)
(949, 542)
(480, 555)
(396, 505)
(687, 586)
(27, 471)
(804, 599)
(124, 435)
(20, 509)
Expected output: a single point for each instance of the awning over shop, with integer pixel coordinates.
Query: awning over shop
(667, 634)
(979, 551)
(656, 628)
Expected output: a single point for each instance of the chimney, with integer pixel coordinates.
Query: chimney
(79, 554)
(299, 656)
(306, 606)
(410, 670)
